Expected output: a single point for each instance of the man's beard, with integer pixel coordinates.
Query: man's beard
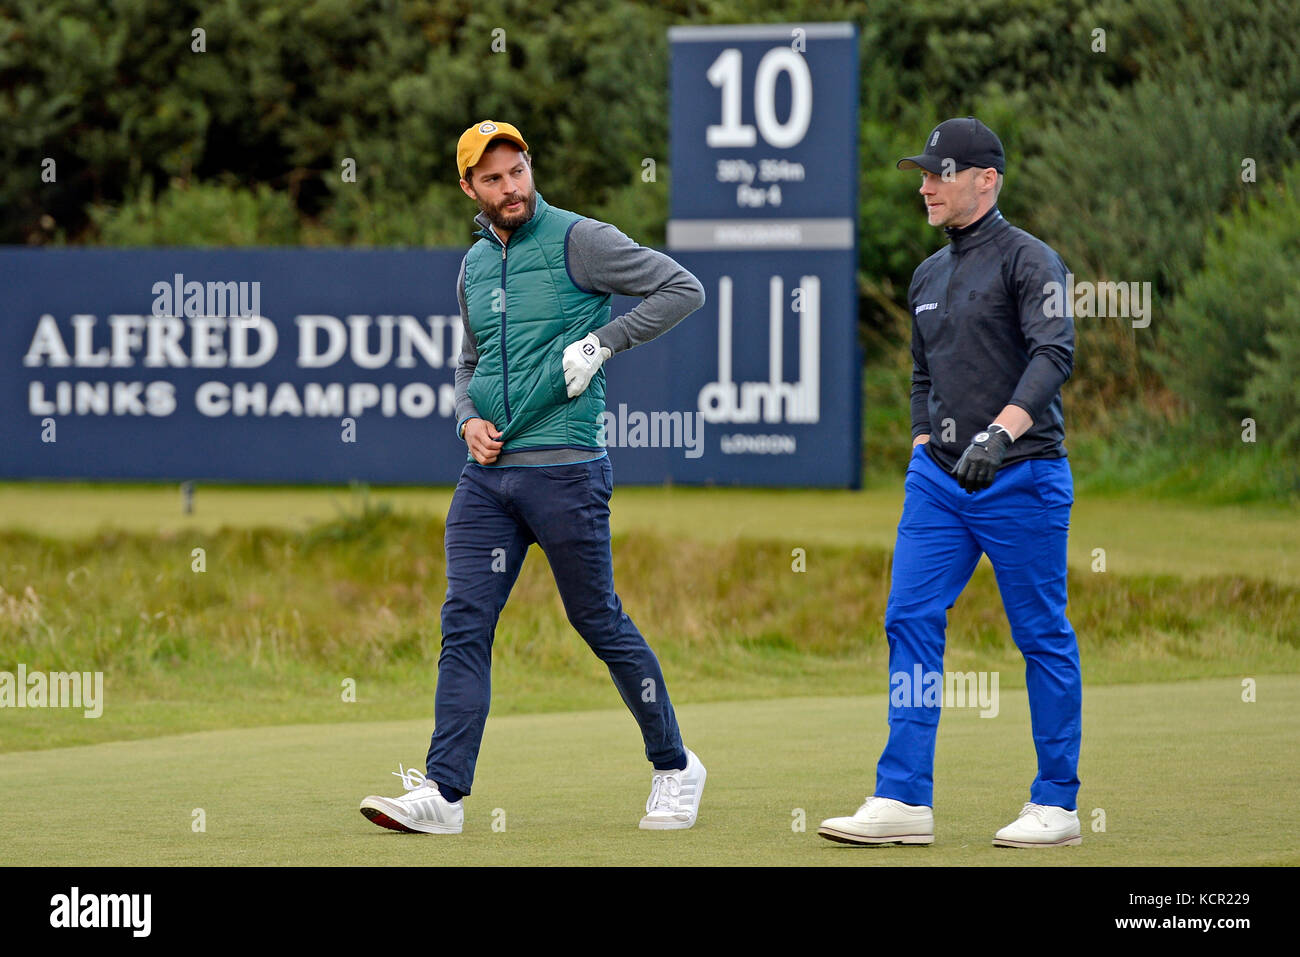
(511, 221)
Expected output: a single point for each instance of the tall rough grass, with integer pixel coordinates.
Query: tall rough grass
(361, 594)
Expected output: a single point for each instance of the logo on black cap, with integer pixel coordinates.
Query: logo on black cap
(966, 142)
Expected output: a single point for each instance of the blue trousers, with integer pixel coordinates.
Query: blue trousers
(495, 514)
(1021, 522)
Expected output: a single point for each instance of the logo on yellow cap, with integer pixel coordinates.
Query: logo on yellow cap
(476, 138)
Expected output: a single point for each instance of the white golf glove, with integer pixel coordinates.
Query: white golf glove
(582, 360)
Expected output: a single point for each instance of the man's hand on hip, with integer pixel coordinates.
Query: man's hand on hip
(482, 438)
(982, 458)
(582, 360)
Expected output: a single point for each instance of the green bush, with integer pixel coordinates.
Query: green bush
(1271, 396)
(204, 214)
(1128, 187)
(363, 216)
(286, 91)
(1231, 334)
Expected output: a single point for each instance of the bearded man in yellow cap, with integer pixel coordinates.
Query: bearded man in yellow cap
(534, 294)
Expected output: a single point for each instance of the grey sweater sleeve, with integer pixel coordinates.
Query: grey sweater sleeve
(468, 358)
(603, 259)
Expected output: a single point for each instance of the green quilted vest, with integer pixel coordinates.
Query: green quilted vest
(518, 384)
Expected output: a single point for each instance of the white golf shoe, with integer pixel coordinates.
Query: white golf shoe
(1041, 825)
(674, 799)
(882, 821)
(421, 810)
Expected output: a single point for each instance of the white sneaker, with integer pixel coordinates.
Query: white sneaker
(1041, 825)
(422, 810)
(675, 797)
(882, 821)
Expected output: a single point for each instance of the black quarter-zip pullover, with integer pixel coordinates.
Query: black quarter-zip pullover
(983, 337)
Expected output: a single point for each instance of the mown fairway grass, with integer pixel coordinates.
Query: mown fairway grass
(1184, 773)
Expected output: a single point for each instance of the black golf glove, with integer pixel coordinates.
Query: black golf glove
(982, 458)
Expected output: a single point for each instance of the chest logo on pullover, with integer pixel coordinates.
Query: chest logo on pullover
(926, 307)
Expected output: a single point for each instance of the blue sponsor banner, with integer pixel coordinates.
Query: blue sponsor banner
(764, 159)
(292, 365)
(98, 385)
(764, 126)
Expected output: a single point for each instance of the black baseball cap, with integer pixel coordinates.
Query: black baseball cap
(964, 140)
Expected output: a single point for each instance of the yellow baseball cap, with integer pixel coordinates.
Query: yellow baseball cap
(475, 139)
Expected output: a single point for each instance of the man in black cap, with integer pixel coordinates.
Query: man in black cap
(988, 475)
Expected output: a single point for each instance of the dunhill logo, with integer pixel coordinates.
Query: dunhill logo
(774, 400)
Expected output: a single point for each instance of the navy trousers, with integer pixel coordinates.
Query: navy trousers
(495, 514)
(1021, 522)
